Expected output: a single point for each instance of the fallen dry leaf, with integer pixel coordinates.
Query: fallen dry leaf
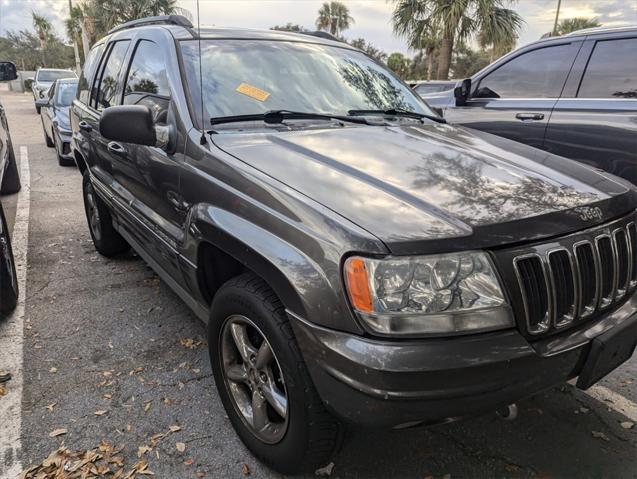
(200, 474)
(100, 413)
(53, 370)
(181, 447)
(3, 390)
(189, 461)
(108, 396)
(175, 428)
(245, 470)
(147, 406)
(51, 406)
(600, 435)
(58, 432)
(190, 343)
(325, 471)
(627, 424)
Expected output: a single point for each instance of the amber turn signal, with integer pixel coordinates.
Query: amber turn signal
(357, 283)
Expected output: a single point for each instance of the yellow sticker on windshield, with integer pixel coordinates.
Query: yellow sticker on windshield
(253, 92)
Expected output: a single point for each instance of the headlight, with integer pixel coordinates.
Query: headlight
(438, 294)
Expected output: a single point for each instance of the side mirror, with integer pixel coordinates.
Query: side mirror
(42, 102)
(8, 71)
(462, 91)
(129, 124)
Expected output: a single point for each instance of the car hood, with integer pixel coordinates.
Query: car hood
(436, 187)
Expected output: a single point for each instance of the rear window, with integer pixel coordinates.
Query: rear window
(52, 75)
(611, 71)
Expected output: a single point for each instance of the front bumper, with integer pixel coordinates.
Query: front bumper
(63, 143)
(397, 384)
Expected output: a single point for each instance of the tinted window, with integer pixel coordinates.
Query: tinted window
(435, 88)
(110, 75)
(89, 72)
(52, 75)
(247, 77)
(536, 74)
(611, 71)
(147, 82)
(65, 92)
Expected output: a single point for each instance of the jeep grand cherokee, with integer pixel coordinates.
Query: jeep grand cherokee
(356, 259)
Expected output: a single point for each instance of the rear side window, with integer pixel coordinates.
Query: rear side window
(88, 73)
(110, 74)
(535, 74)
(611, 71)
(147, 81)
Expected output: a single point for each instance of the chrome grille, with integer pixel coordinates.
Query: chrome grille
(577, 278)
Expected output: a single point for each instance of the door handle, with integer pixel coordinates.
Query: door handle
(116, 148)
(530, 116)
(85, 127)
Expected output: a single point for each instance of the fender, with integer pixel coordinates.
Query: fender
(307, 289)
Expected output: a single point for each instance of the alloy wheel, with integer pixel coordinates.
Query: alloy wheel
(254, 379)
(93, 214)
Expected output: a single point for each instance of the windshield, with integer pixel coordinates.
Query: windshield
(65, 93)
(243, 77)
(52, 75)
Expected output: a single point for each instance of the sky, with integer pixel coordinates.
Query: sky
(372, 17)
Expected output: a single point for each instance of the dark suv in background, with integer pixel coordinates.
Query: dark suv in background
(9, 183)
(574, 96)
(356, 259)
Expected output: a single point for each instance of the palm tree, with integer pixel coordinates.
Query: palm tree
(334, 17)
(43, 28)
(499, 32)
(456, 21)
(569, 25)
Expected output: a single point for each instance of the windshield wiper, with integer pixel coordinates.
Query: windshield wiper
(278, 116)
(398, 112)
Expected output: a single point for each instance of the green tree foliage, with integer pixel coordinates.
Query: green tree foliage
(334, 17)
(569, 25)
(399, 64)
(23, 48)
(370, 49)
(448, 23)
(43, 29)
(289, 27)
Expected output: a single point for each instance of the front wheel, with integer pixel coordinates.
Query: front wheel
(108, 242)
(263, 382)
(8, 277)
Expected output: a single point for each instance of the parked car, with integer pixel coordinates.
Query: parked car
(9, 183)
(429, 87)
(56, 125)
(43, 80)
(574, 96)
(355, 258)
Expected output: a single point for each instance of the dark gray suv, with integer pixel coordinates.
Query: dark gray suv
(356, 259)
(574, 96)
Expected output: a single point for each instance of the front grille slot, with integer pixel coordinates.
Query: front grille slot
(536, 292)
(632, 241)
(576, 277)
(563, 281)
(587, 278)
(623, 262)
(607, 269)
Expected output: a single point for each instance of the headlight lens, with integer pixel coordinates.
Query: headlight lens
(438, 294)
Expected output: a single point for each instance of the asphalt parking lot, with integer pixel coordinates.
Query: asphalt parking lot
(110, 353)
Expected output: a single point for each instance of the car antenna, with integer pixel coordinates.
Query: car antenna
(202, 141)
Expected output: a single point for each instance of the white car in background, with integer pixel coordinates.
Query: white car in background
(43, 80)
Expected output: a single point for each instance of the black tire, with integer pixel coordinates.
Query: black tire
(8, 277)
(313, 435)
(47, 138)
(11, 181)
(108, 242)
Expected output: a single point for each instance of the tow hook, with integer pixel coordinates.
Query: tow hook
(508, 413)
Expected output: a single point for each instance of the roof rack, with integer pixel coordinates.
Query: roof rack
(179, 20)
(322, 34)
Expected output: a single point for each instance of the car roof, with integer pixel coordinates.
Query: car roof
(56, 70)
(600, 30)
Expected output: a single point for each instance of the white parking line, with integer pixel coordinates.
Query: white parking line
(12, 335)
(614, 401)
